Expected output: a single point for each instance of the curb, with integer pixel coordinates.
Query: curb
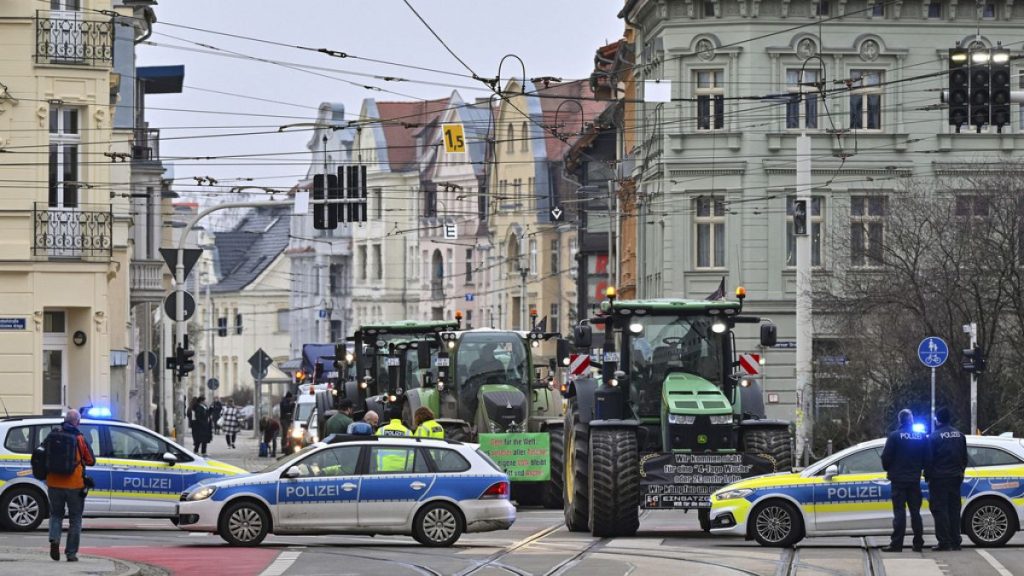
(121, 567)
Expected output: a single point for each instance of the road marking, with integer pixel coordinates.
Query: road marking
(280, 564)
(993, 562)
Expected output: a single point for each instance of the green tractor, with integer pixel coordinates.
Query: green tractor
(670, 420)
(489, 391)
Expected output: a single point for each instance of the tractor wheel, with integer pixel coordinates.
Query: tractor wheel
(614, 482)
(576, 482)
(552, 498)
(771, 443)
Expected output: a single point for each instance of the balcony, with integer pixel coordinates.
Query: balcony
(83, 232)
(146, 145)
(146, 281)
(70, 37)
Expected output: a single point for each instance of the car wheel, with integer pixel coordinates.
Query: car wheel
(244, 524)
(990, 523)
(23, 509)
(437, 524)
(776, 523)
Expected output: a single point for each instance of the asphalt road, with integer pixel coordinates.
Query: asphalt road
(538, 544)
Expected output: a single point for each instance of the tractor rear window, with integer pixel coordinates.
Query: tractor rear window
(19, 440)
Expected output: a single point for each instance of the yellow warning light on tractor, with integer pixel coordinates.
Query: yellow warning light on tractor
(610, 292)
(741, 292)
(458, 314)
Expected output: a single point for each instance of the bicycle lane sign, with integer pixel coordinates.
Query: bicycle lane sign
(933, 351)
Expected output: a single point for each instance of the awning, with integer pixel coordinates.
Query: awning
(161, 79)
(317, 353)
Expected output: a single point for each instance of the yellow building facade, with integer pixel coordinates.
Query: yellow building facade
(64, 247)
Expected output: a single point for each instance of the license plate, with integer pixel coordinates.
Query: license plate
(392, 362)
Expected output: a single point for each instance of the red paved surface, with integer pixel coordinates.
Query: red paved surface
(194, 560)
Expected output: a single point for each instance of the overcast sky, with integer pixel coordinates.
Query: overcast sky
(553, 37)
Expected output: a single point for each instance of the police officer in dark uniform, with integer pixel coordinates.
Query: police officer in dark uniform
(945, 476)
(905, 455)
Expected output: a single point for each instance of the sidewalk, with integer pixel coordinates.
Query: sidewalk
(246, 455)
(37, 562)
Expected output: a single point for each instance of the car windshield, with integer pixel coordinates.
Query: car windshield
(414, 375)
(288, 459)
(373, 358)
(303, 410)
(670, 344)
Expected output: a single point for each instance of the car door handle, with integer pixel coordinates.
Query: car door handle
(417, 485)
(348, 486)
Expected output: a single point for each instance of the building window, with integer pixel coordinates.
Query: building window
(378, 202)
(524, 139)
(988, 11)
(815, 223)
(53, 322)
(64, 142)
(222, 326)
(709, 9)
(935, 10)
(972, 205)
(378, 262)
(335, 279)
(510, 145)
(282, 319)
(361, 252)
(553, 324)
(517, 190)
(710, 99)
(531, 192)
(469, 319)
(469, 265)
(238, 324)
(802, 109)
(710, 223)
(556, 263)
(574, 248)
(533, 257)
(821, 8)
(878, 9)
(866, 99)
(867, 230)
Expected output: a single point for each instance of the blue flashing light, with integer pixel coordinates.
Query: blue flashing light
(98, 412)
(919, 428)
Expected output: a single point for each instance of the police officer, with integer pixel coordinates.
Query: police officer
(393, 460)
(945, 476)
(426, 426)
(905, 455)
(394, 428)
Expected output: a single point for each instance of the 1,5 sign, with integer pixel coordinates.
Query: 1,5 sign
(454, 138)
(933, 351)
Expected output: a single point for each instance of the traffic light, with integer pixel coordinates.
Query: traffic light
(354, 178)
(981, 112)
(800, 217)
(325, 216)
(183, 360)
(959, 87)
(1000, 85)
(974, 360)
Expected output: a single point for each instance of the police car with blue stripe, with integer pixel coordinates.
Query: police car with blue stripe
(433, 490)
(847, 494)
(138, 473)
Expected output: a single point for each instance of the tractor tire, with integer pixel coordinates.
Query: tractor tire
(771, 443)
(576, 482)
(614, 482)
(553, 488)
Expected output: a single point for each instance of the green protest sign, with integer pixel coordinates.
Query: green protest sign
(525, 457)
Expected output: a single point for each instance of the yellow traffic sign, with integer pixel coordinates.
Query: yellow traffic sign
(454, 138)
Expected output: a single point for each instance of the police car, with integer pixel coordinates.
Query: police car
(433, 490)
(847, 494)
(138, 473)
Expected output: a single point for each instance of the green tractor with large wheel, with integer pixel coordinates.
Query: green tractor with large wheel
(670, 420)
(489, 391)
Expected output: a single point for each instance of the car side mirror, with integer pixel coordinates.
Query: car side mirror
(292, 472)
(831, 472)
(769, 335)
(169, 459)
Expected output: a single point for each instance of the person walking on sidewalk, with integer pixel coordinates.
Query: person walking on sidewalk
(905, 455)
(201, 428)
(67, 455)
(945, 477)
(215, 411)
(232, 422)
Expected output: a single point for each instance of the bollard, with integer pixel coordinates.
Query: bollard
(828, 447)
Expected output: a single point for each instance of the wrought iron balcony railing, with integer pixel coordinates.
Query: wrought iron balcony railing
(84, 231)
(74, 38)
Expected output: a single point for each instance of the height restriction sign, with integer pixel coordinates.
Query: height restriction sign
(454, 138)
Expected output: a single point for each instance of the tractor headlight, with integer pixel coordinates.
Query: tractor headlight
(734, 494)
(722, 419)
(681, 419)
(202, 494)
(613, 382)
(297, 432)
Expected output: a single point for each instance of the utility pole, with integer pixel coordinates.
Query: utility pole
(804, 328)
(611, 233)
(972, 331)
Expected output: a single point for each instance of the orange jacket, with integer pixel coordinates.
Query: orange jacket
(75, 480)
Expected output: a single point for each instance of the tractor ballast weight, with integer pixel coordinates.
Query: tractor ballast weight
(668, 400)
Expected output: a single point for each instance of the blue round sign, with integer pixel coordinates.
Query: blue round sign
(933, 351)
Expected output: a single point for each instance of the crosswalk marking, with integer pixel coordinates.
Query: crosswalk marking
(993, 562)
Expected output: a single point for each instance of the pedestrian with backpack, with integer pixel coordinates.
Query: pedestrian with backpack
(67, 455)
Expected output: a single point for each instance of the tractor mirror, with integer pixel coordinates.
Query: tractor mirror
(552, 365)
(583, 336)
(563, 349)
(769, 334)
(423, 355)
